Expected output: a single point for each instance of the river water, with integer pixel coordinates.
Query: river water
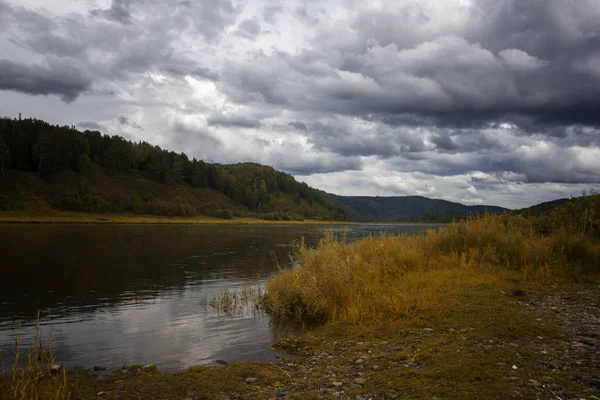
(133, 294)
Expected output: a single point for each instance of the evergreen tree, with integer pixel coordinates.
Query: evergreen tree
(4, 156)
(49, 156)
(118, 156)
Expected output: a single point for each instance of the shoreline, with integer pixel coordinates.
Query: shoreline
(481, 342)
(61, 217)
(66, 217)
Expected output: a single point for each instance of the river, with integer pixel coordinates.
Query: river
(133, 294)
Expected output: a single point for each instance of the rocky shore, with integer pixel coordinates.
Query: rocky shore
(483, 344)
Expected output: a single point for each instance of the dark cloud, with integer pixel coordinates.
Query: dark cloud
(207, 18)
(4, 9)
(57, 77)
(297, 165)
(117, 51)
(444, 142)
(50, 43)
(534, 164)
(249, 28)
(26, 19)
(552, 29)
(457, 141)
(321, 167)
(350, 140)
(514, 89)
(233, 121)
(91, 125)
(123, 120)
(299, 125)
(469, 77)
(118, 11)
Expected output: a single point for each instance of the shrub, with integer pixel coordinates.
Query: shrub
(272, 216)
(226, 214)
(212, 209)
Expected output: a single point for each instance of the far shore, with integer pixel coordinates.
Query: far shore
(63, 217)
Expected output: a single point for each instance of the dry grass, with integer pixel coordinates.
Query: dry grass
(238, 301)
(37, 377)
(389, 277)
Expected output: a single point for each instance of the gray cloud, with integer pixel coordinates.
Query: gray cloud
(118, 11)
(112, 51)
(388, 71)
(249, 28)
(520, 61)
(355, 140)
(233, 121)
(207, 18)
(27, 19)
(57, 77)
(290, 159)
(271, 10)
(195, 141)
(91, 125)
(443, 141)
(123, 120)
(319, 167)
(183, 67)
(50, 43)
(298, 125)
(529, 164)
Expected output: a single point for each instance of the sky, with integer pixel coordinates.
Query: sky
(476, 101)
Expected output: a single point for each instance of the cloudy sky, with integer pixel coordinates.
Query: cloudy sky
(477, 101)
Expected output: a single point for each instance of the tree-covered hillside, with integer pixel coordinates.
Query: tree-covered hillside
(541, 208)
(405, 208)
(61, 167)
(576, 214)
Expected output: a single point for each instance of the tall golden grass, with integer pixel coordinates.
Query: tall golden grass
(36, 378)
(389, 276)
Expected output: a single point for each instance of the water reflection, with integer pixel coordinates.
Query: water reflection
(118, 294)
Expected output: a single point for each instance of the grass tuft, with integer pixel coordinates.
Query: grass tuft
(37, 377)
(236, 302)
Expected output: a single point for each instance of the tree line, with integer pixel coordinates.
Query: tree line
(36, 146)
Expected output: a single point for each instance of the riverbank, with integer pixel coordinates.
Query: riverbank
(482, 341)
(64, 217)
(501, 306)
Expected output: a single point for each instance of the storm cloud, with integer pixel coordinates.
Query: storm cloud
(55, 77)
(478, 101)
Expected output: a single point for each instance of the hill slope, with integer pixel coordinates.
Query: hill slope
(404, 208)
(542, 207)
(44, 166)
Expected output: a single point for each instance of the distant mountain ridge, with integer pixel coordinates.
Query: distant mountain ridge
(404, 208)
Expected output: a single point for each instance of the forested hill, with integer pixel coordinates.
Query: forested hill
(58, 167)
(542, 208)
(405, 208)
